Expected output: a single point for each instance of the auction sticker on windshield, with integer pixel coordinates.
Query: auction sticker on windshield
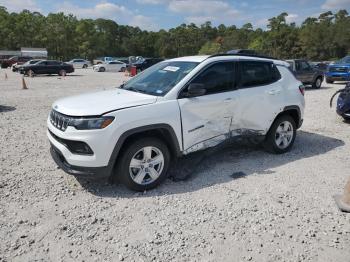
(171, 68)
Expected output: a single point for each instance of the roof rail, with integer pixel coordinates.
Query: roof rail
(258, 56)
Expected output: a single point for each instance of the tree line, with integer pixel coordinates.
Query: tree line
(65, 36)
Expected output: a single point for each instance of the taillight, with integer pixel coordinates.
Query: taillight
(302, 89)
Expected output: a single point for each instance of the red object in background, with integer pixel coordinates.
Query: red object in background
(133, 71)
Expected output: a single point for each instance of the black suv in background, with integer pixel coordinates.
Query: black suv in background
(47, 67)
(306, 73)
(148, 62)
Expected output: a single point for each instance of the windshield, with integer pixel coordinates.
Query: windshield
(160, 78)
(345, 60)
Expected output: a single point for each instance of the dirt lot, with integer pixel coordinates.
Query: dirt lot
(279, 209)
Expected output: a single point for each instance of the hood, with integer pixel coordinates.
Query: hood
(340, 65)
(98, 103)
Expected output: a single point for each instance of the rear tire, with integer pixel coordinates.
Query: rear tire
(102, 69)
(85, 66)
(122, 69)
(318, 83)
(62, 72)
(281, 135)
(143, 164)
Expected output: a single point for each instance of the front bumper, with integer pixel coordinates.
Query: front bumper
(338, 76)
(91, 172)
(100, 141)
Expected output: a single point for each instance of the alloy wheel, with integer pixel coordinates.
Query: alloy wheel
(284, 135)
(146, 165)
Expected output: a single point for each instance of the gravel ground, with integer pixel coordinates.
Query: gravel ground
(240, 204)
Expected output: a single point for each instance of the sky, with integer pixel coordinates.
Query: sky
(164, 14)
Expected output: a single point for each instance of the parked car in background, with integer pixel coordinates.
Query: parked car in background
(133, 133)
(79, 63)
(112, 66)
(103, 60)
(322, 66)
(242, 51)
(16, 67)
(306, 73)
(339, 71)
(15, 60)
(47, 67)
(146, 63)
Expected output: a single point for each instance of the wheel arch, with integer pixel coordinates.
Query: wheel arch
(294, 112)
(162, 131)
(318, 76)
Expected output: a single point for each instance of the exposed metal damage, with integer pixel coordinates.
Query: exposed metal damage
(217, 140)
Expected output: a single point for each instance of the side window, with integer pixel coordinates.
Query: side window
(256, 73)
(53, 63)
(217, 78)
(305, 66)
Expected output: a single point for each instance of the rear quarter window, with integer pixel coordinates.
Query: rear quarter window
(257, 73)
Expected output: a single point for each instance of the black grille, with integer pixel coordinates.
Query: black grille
(338, 69)
(59, 120)
(76, 147)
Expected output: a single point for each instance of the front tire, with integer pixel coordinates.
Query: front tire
(30, 73)
(85, 66)
(143, 164)
(102, 69)
(281, 135)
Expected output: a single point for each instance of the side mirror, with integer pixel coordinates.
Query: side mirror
(195, 89)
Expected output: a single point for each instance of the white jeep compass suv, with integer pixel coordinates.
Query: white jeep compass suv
(174, 108)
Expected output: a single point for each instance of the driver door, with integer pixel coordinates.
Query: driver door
(303, 71)
(206, 119)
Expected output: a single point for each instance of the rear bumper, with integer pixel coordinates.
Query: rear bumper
(88, 172)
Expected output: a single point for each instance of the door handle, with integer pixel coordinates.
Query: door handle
(274, 91)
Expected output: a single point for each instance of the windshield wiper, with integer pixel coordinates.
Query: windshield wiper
(136, 90)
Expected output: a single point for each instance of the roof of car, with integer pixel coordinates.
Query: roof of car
(201, 58)
(197, 58)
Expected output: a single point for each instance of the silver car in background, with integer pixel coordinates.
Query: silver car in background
(79, 63)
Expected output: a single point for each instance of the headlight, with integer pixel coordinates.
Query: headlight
(92, 123)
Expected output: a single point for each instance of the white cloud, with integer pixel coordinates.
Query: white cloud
(336, 4)
(19, 5)
(261, 22)
(101, 10)
(200, 11)
(112, 11)
(144, 22)
(292, 18)
(153, 2)
(201, 7)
